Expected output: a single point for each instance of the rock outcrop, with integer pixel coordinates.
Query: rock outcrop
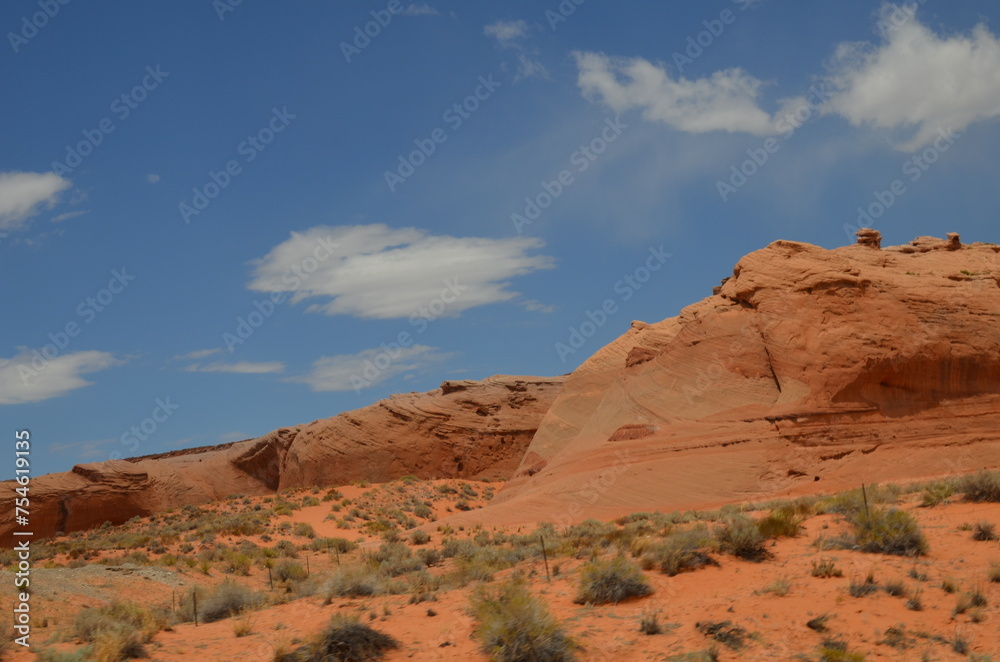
(468, 429)
(808, 370)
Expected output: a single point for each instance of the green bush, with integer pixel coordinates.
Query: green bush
(225, 600)
(889, 531)
(612, 581)
(739, 536)
(288, 570)
(514, 626)
(784, 521)
(682, 551)
(354, 581)
(345, 639)
(981, 487)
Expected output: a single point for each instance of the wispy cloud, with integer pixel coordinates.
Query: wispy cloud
(29, 377)
(242, 367)
(152, 178)
(351, 372)
(197, 354)
(68, 215)
(374, 271)
(24, 194)
(512, 34)
(420, 10)
(83, 450)
(506, 32)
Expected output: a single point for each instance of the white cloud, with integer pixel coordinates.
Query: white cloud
(529, 68)
(726, 101)
(348, 372)
(420, 10)
(83, 450)
(234, 435)
(197, 354)
(242, 367)
(23, 193)
(68, 215)
(29, 377)
(506, 32)
(374, 271)
(152, 178)
(917, 81)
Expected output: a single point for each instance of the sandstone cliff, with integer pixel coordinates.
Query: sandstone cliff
(468, 429)
(807, 370)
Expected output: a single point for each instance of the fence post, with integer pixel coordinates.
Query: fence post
(545, 558)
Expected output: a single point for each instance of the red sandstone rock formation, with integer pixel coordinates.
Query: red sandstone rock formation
(808, 370)
(464, 429)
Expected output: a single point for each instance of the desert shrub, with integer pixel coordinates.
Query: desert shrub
(345, 639)
(848, 503)
(725, 632)
(429, 556)
(984, 532)
(422, 586)
(287, 548)
(225, 600)
(342, 545)
(353, 581)
(304, 529)
(889, 531)
(937, 493)
(860, 589)
(649, 623)
(117, 645)
(515, 626)
(836, 651)
(244, 524)
(739, 536)
(993, 574)
(91, 622)
(825, 568)
(682, 551)
(785, 521)
(612, 580)
(288, 570)
(420, 537)
(237, 563)
(393, 559)
(895, 588)
(980, 487)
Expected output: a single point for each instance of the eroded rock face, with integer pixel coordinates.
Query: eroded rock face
(467, 429)
(809, 370)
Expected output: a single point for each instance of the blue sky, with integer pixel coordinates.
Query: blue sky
(220, 219)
